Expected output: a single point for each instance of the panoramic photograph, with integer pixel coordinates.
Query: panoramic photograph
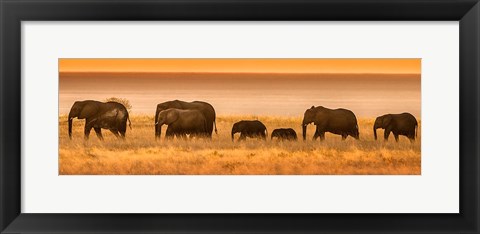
(249, 116)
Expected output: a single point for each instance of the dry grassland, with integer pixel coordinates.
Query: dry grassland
(140, 154)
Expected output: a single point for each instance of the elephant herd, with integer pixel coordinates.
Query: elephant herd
(197, 119)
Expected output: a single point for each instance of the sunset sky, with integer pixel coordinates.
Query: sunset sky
(403, 66)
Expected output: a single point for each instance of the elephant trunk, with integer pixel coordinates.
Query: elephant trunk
(158, 129)
(375, 132)
(71, 115)
(70, 120)
(233, 133)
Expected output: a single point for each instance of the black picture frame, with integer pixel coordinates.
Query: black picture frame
(13, 12)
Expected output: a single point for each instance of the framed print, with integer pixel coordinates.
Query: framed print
(225, 116)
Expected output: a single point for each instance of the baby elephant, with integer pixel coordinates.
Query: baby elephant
(249, 128)
(284, 134)
(399, 124)
(183, 122)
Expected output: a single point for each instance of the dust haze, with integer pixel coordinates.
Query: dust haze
(367, 95)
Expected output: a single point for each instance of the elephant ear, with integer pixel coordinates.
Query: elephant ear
(319, 116)
(172, 116)
(88, 111)
(386, 120)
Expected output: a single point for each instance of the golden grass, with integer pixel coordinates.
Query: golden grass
(140, 154)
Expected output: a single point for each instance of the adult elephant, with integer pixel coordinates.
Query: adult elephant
(182, 122)
(399, 124)
(205, 108)
(249, 128)
(337, 121)
(107, 115)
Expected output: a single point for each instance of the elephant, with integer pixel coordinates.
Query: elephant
(337, 121)
(403, 124)
(249, 128)
(284, 134)
(205, 108)
(107, 115)
(182, 122)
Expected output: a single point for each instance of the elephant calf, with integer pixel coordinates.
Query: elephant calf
(399, 124)
(284, 134)
(183, 122)
(249, 128)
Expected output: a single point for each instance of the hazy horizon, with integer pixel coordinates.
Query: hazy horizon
(249, 93)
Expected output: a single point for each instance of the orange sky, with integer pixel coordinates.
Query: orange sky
(243, 65)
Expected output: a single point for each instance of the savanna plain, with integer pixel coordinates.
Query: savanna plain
(141, 154)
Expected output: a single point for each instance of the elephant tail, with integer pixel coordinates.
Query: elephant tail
(215, 124)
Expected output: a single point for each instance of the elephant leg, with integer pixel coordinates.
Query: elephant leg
(386, 134)
(98, 131)
(86, 131)
(412, 137)
(122, 129)
(122, 133)
(315, 135)
(169, 133)
(157, 131)
(322, 136)
(355, 135)
(115, 132)
(242, 137)
(344, 136)
(396, 136)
